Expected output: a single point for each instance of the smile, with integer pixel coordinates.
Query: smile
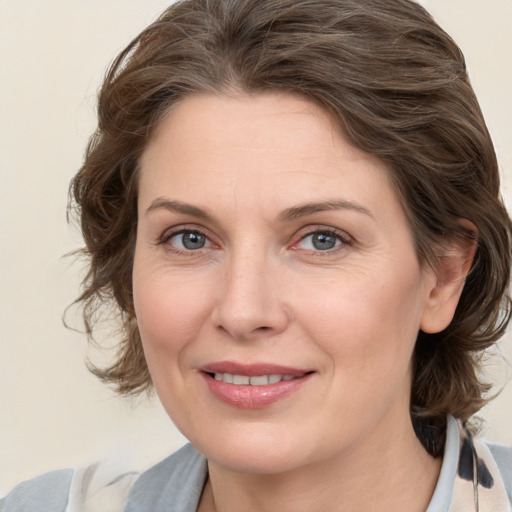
(253, 386)
(257, 380)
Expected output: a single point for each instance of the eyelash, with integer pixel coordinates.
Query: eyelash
(342, 237)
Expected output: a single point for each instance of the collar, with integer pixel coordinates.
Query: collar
(470, 480)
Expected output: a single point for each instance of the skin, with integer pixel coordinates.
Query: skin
(261, 291)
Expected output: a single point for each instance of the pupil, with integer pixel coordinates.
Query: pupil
(323, 241)
(192, 240)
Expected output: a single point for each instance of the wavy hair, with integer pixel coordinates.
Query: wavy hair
(397, 85)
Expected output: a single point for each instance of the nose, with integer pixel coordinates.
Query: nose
(250, 303)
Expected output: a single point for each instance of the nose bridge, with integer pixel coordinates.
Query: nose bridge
(249, 303)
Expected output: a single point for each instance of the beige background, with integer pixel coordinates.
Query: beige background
(52, 57)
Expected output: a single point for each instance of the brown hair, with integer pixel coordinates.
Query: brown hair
(397, 84)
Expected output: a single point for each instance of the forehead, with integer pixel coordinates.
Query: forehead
(256, 148)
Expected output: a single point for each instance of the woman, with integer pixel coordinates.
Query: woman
(295, 207)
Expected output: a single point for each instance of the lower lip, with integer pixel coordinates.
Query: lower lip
(253, 397)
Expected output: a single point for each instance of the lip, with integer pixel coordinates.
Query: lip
(253, 397)
(253, 369)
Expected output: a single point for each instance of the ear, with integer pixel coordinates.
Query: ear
(445, 283)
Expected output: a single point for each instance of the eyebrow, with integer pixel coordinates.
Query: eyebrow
(179, 207)
(293, 213)
(296, 212)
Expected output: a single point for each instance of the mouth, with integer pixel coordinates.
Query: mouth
(253, 386)
(255, 380)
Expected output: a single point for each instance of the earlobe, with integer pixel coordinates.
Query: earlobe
(444, 284)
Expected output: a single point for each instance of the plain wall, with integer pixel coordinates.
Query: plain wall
(53, 54)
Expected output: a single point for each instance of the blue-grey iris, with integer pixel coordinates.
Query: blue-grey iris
(193, 240)
(323, 241)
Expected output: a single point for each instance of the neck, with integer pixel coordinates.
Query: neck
(389, 471)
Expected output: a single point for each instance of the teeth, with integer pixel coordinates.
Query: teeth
(258, 380)
(241, 380)
(261, 380)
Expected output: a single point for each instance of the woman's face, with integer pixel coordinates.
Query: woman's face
(276, 285)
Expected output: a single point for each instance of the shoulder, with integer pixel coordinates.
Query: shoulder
(49, 492)
(89, 489)
(502, 455)
(173, 485)
(472, 472)
(490, 465)
(177, 481)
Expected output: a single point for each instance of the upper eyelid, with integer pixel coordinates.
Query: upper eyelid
(216, 234)
(177, 232)
(311, 230)
(169, 232)
(334, 231)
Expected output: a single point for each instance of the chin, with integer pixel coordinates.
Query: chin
(255, 452)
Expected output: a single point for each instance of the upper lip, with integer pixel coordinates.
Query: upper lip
(252, 369)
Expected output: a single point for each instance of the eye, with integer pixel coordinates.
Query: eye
(321, 240)
(188, 240)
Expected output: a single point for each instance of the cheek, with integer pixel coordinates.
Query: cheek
(169, 314)
(367, 326)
